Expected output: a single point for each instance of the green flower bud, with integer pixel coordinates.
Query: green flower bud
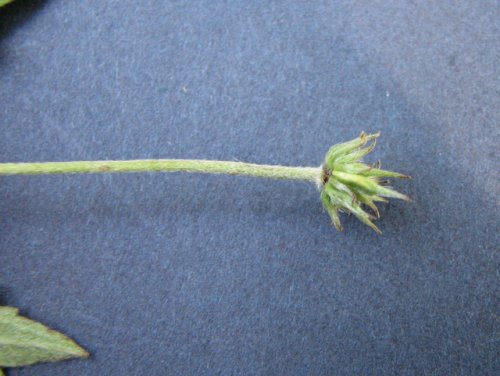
(348, 185)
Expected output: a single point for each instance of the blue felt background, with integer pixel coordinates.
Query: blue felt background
(200, 275)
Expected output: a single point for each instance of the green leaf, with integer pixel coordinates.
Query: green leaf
(24, 342)
(2, 3)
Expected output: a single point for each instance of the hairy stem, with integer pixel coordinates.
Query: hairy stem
(163, 165)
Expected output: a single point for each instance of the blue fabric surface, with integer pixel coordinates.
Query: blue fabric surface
(202, 275)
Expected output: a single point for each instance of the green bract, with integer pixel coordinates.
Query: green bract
(350, 186)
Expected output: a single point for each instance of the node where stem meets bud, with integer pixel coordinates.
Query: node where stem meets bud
(350, 186)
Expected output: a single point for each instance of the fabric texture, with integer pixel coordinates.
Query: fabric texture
(187, 274)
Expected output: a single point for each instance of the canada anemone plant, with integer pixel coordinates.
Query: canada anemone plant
(347, 184)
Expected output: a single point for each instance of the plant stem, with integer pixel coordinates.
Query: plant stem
(163, 165)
